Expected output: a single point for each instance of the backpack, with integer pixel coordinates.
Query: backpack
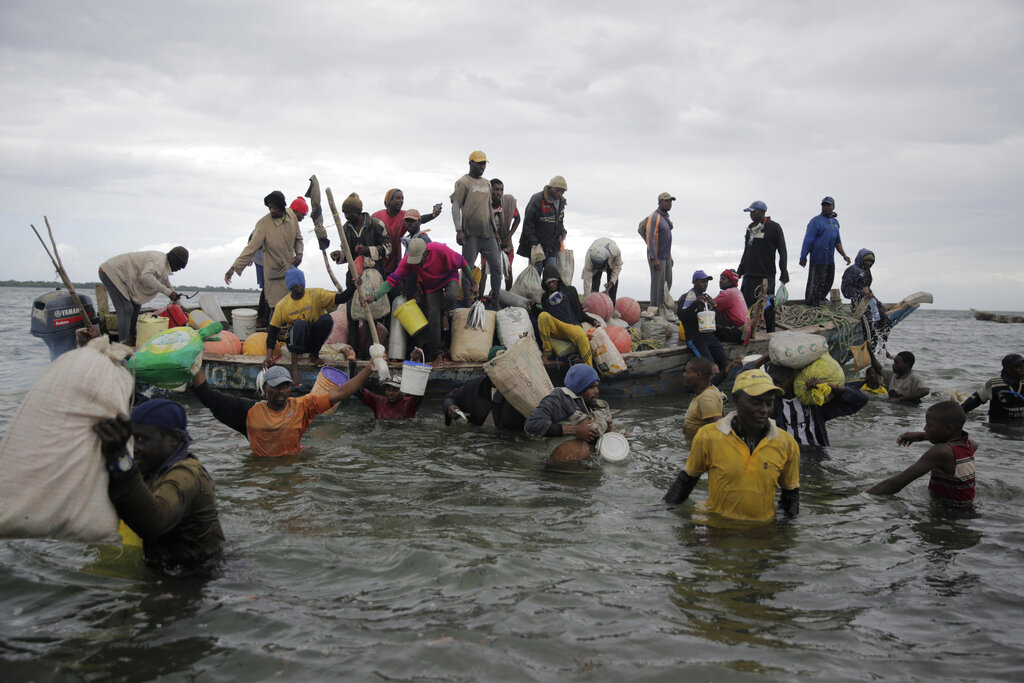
(644, 229)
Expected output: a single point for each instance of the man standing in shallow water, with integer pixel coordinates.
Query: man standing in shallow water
(746, 455)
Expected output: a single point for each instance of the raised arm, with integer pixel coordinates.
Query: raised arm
(939, 456)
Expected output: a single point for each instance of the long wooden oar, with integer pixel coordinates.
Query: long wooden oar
(317, 214)
(59, 265)
(371, 323)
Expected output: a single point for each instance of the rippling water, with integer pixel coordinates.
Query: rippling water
(414, 552)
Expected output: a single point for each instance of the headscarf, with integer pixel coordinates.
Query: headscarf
(169, 416)
(293, 277)
(177, 258)
(580, 377)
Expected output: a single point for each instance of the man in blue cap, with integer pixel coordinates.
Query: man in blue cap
(304, 317)
(764, 237)
(703, 343)
(572, 410)
(163, 493)
(820, 242)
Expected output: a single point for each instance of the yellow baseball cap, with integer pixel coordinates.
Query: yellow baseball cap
(478, 156)
(754, 383)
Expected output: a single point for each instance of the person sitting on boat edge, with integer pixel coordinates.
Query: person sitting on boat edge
(134, 278)
(274, 427)
(164, 494)
(706, 407)
(1004, 394)
(726, 450)
(479, 399)
(562, 316)
(704, 344)
(573, 409)
(730, 308)
(436, 267)
(950, 460)
(304, 317)
(807, 422)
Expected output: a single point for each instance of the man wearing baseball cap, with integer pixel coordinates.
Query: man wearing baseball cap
(274, 427)
(704, 343)
(764, 237)
(656, 230)
(746, 455)
(820, 242)
(471, 213)
(1004, 394)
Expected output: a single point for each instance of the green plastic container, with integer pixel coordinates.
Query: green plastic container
(172, 357)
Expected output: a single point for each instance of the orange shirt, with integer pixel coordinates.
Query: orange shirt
(273, 434)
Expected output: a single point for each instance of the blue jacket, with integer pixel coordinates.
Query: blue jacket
(820, 241)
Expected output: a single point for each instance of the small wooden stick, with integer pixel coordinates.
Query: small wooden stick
(55, 260)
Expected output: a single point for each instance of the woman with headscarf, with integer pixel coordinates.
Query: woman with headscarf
(133, 279)
(163, 493)
(857, 280)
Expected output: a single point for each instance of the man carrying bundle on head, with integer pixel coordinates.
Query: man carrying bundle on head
(305, 319)
(164, 494)
(134, 278)
(278, 235)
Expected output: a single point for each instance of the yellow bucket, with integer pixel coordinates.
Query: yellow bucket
(147, 327)
(411, 317)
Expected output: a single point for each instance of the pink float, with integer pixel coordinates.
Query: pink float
(629, 309)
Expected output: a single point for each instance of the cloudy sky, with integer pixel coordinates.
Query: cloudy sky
(141, 126)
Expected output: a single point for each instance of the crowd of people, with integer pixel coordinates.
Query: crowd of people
(745, 426)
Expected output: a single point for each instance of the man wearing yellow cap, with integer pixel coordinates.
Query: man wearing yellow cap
(471, 213)
(746, 455)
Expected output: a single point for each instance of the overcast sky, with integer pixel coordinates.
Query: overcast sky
(140, 126)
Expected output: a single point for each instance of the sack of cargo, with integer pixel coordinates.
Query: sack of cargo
(55, 481)
(520, 376)
(471, 345)
(528, 284)
(826, 369)
(513, 323)
(562, 348)
(796, 349)
(607, 358)
(172, 357)
(565, 263)
(372, 279)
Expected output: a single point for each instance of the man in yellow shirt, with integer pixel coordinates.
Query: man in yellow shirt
(706, 407)
(304, 318)
(746, 455)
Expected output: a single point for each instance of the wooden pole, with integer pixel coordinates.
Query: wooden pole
(352, 267)
(55, 260)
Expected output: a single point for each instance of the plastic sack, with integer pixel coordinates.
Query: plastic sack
(55, 482)
(513, 323)
(528, 284)
(520, 376)
(781, 296)
(607, 358)
(371, 280)
(796, 349)
(828, 370)
(172, 357)
(566, 264)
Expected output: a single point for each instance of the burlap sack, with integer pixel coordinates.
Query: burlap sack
(55, 483)
(469, 344)
(519, 375)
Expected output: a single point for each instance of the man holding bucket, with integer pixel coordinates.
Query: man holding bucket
(436, 268)
(696, 311)
(304, 317)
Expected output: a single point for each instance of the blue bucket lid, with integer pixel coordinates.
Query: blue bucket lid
(413, 364)
(334, 375)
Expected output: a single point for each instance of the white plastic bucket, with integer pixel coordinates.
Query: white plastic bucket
(208, 302)
(705, 321)
(243, 322)
(613, 447)
(414, 378)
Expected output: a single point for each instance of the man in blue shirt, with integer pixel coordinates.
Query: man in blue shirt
(820, 241)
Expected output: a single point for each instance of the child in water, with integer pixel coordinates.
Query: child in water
(950, 460)
(394, 404)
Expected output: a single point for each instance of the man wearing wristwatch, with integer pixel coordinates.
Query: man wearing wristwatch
(164, 493)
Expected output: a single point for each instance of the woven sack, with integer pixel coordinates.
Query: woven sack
(471, 345)
(520, 376)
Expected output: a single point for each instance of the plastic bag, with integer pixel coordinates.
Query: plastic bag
(781, 296)
(528, 284)
(172, 357)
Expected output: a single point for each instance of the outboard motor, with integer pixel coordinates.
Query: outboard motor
(56, 317)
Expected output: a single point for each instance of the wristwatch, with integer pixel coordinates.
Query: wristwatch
(122, 465)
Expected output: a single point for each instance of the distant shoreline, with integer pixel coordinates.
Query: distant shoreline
(49, 284)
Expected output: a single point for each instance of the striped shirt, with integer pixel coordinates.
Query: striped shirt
(958, 488)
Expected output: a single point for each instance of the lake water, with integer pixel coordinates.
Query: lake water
(410, 551)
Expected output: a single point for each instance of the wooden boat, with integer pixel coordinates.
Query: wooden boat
(651, 373)
(997, 317)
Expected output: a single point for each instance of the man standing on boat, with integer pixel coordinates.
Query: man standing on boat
(656, 230)
(544, 224)
(764, 237)
(134, 278)
(821, 241)
(393, 218)
(474, 227)
(278, 235)
(506, 218)
(747, 457)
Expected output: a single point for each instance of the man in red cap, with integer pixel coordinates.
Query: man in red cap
(730, 308)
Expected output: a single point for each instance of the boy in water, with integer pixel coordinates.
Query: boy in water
(950, 460)
(394, 404)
